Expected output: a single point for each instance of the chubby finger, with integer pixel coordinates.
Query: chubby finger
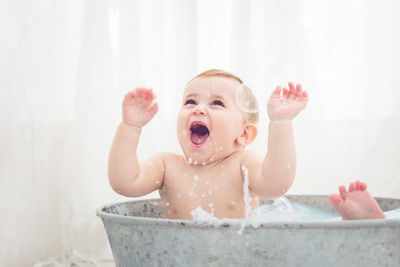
(277, 92)
(153, 108)
(298, 90)
(128, 96)
(146, 93)
(292, 90)
(286, 92)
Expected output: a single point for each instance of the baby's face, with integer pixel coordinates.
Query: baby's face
(209, 121)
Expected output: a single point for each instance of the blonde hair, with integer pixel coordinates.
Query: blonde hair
(251, 117)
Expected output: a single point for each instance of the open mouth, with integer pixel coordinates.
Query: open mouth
(199, 133)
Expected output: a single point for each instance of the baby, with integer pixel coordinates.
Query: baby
(213, 132)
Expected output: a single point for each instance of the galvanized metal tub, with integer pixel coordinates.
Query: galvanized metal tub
(139, 236)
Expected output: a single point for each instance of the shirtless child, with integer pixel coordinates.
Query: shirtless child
(213, 133)
(356, 203)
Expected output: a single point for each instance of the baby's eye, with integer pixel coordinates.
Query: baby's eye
(218, 103)
(190, 102)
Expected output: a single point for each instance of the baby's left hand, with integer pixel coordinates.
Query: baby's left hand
(287, 105)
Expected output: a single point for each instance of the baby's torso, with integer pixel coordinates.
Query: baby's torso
(217, 189)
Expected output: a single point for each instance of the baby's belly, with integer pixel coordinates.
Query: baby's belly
(218, 206)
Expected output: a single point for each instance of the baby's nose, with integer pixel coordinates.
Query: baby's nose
(200, 109)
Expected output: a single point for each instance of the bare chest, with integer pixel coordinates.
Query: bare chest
(217, 190)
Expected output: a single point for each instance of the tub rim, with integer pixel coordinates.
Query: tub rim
(237, 223)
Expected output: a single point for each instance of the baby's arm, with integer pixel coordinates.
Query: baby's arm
(126, 175)
(275, 174)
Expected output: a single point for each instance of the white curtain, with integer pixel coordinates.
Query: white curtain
(66, 65)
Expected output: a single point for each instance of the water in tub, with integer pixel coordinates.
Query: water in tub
(280, 210)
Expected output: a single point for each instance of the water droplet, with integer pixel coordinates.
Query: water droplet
(210, 192)
(167, 204)
(204, 164)
(157, 182)
(196, 177)
(190, 193)
(211, 205)
(190, 160)
(195, 162)
(207, 182)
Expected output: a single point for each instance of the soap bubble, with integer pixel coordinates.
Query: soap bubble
(245, 99)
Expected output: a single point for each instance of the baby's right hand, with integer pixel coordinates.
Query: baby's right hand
(139, 107)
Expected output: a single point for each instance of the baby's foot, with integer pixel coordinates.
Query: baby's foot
(356, 203)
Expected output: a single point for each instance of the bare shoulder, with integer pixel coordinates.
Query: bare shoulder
(247, 157)
(168, 157)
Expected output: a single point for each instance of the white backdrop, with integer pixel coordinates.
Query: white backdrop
(66, 65)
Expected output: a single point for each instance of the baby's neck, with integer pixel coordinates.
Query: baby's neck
(214, 163)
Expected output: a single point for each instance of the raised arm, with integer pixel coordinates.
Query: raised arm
(127, 176)
(275, 174)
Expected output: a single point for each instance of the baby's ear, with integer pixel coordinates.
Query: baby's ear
(248, 135)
